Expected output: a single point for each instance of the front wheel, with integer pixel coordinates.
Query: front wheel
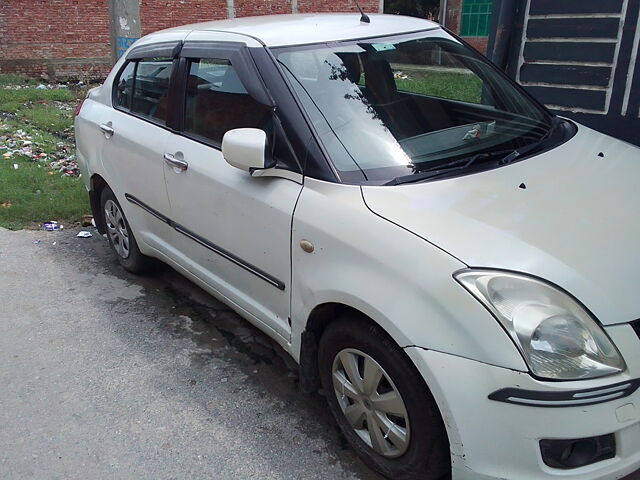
(381, 402)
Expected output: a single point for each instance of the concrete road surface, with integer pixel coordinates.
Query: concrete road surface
(104, 374)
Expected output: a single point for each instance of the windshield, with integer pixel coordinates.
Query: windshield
(396, 106)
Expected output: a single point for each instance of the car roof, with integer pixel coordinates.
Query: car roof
(299, 29)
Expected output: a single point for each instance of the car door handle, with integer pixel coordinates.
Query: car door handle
(175, 162)
(106, 129)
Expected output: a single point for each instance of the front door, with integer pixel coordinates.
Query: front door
(233, 230)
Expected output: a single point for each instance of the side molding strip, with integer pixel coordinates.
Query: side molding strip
(146, 207)
(207, 244)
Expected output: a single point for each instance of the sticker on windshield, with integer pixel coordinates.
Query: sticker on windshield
(381, 47)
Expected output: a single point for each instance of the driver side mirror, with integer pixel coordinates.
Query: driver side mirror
(247, 149)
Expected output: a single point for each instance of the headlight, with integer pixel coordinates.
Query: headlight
(558, 339)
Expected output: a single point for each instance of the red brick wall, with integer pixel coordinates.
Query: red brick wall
(306, 6)
(71, 38)
(159, 14)
(454, 14)
(65, 37)
(247, 8)
(479, 43)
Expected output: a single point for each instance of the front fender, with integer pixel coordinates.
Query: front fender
(398, 279)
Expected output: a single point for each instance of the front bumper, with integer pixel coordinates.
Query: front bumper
(495, 440)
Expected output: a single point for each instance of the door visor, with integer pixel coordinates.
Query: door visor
(156, 50)
(238, 54)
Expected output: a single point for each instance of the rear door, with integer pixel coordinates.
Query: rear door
(136, 136)
(233, 228)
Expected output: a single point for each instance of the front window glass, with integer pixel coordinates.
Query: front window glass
(217, 101)
(400, 105)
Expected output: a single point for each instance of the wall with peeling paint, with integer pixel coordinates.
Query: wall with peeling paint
(581, 60)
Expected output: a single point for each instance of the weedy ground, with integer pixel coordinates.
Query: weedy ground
(38, 173)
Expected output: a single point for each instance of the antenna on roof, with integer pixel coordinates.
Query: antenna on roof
(364, 18)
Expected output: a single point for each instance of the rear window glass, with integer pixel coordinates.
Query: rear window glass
(124, 86)
(143, 88)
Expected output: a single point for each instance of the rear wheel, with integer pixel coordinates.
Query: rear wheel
(120, 236)
(381, 402)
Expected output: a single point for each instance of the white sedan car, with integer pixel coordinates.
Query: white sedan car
(453, 265)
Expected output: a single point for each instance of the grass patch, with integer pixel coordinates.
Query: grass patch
(455, 86)
(9, 79)
(36, 194)
(33, 193)
(24, 95)
(47, 117)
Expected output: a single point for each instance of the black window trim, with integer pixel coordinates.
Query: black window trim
(291, 107)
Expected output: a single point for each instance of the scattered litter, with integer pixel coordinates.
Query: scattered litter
(87, 220)
(5, 204)
(36, 242)
(43, 86)
(52, 226)
(16, 166)
(19, 143)
(84, 234)
(54, 243)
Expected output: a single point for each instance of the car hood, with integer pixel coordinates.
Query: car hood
(570, 215)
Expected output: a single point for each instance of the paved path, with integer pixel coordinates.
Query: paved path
(104, 374)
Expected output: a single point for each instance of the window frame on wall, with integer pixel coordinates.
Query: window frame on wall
(472, 13)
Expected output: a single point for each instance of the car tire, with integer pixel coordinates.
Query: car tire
(352, 346)
(120, 235)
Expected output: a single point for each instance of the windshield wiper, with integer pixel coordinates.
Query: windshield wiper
(445, 168)
(506, 156)
(518, 152)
